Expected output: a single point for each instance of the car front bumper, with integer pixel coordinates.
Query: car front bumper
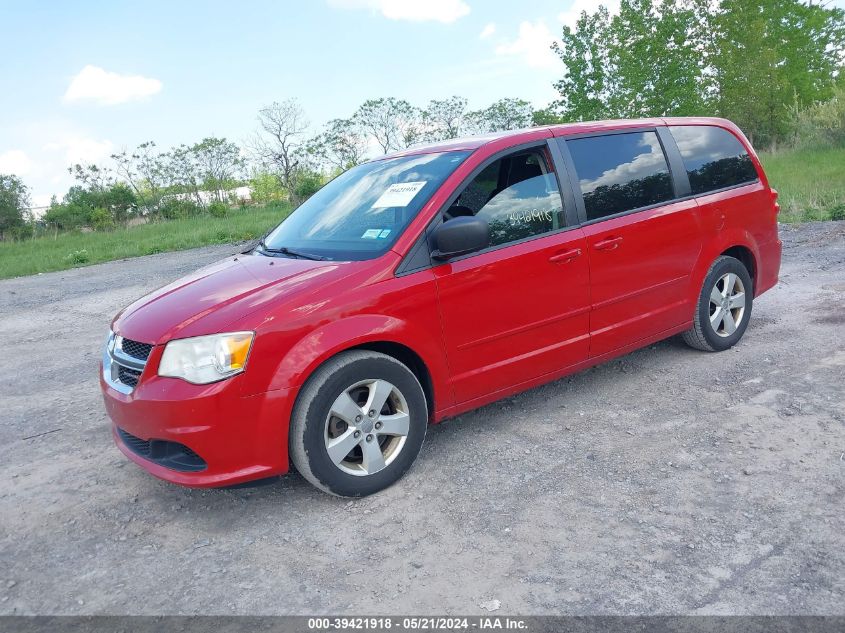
(236, 438)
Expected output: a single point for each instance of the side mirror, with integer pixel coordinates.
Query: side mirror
(460, 236)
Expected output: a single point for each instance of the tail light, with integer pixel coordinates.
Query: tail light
(775, 204)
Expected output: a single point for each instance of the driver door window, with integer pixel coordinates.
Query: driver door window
(517, 195)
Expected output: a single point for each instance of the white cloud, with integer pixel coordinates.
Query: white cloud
(648, 162)
(445, 11)
(51, 145)
(571, 15)
(533, 45)
(108, 88)
(15, 162)
(488, 30)
(83, 150)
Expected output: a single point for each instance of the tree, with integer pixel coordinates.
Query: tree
(308, 183)
(444, 119)
(769, 54)
(70, 213)
(747, 60)
(213, 164)
(101, 219)
(505, 114)
(645, 61)
(99, 201)
(265, 187)
(145, 170)
(182, 172)
(278, 142)
(655, 60)
(547, 116)
(822, 124)
(14, 200)
(218, 163)
(94, 177)
(341, 145)
(584, 89)
(119, 200)
(393, 123)
(73, 212)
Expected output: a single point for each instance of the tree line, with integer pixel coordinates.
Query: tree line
(756, 62)
(281, 144)
(772, 66)
(280, 163)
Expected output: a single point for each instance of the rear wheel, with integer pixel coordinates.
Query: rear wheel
(724, 307)
(358, 424)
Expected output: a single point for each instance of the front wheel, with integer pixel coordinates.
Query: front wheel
(724, 307)
(358, 424)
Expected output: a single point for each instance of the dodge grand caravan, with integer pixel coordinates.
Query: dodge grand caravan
(420, 285)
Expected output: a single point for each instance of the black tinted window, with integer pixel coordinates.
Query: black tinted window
(517, 195)
(620, 172)
(714, 158)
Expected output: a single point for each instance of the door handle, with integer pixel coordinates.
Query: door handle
(608, 244)
(565, 256)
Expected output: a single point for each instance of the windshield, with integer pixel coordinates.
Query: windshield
(359, 214)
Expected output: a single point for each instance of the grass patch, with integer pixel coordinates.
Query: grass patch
(811, 183)
(69, 250)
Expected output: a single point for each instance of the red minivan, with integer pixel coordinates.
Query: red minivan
(420, 285)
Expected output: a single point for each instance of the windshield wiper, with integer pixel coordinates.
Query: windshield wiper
(284, 250)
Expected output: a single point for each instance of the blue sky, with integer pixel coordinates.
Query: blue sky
(80, 80)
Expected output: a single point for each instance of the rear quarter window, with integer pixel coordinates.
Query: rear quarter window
(713, 157)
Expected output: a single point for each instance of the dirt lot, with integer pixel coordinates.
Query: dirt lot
(668, 481)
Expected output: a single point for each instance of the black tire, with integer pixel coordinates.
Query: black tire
(309, 422)
(704, 335)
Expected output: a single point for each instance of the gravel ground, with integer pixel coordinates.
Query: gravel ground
(667, 481)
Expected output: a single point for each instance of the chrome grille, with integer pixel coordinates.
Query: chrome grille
(135, 349)
(123, 362)
(128, 376)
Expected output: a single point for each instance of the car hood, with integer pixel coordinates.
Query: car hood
(213, 297)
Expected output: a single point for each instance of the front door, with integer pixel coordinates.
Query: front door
(520, 309)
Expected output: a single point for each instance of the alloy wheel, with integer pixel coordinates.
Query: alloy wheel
(727, 304)
(367, 427)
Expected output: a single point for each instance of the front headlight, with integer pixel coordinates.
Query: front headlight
(205, 359)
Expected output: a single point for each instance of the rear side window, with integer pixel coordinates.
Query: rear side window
(714, 158)
(620, 172)
(517, 195)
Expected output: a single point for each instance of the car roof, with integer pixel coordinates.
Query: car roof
(471, 143)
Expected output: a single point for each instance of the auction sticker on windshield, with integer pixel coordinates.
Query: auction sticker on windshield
(398, 194)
